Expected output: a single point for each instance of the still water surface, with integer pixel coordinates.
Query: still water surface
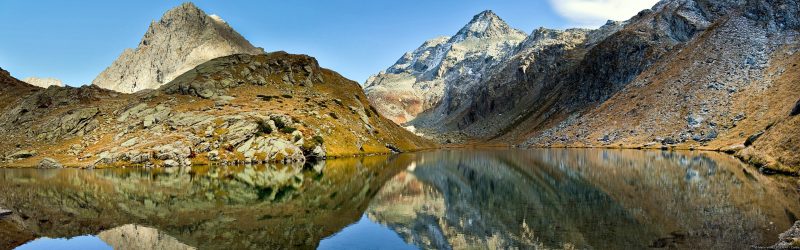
(450, 199)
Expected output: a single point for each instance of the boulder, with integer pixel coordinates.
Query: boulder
(49, 163)
(149, 120)
(316, 153)
(105, 157)
(206, 93)
(129, 143)
(752, 138)
(213, 155)
(171, 164)
(22, 154)
(393, 148)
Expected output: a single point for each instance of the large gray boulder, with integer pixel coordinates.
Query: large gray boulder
(49, 163)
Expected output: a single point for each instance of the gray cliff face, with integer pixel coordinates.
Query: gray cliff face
(420, 79)
(184, 38)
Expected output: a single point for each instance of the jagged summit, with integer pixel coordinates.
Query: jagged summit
(483, 25)
(184, 38)
(417, 81)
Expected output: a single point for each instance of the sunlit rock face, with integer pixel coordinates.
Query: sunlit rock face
(184, 38)
(601, 199)
(43, 82)
(421, 78)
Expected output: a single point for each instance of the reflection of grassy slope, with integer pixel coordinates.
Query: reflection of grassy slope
(485, 202)
(193, 207)
(599, 198)
(705, 197)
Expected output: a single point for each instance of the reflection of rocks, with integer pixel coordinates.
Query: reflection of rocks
(237, 207)
(13, 233)
(136, 237)
(532, 198)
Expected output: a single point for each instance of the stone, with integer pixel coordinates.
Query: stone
(136, 157)
(796, 109)
(316, 153)
(171, 164)
(129, 143)
(213, 155)
(752, 138)
(393, 148)
(22, 154)
(105, 157)
(206, 93)
(49, 163)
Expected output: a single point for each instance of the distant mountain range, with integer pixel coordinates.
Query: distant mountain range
(717, 75)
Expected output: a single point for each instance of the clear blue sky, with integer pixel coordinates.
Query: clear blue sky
(75, 40)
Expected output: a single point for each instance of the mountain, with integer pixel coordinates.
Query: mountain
(184, 38)
(43, 82)
(234, 109)
(714, 75)
(267, 108)
(421, 79)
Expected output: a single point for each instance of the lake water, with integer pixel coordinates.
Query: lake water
(449, 199)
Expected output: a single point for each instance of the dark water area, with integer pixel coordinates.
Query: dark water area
(448, 199)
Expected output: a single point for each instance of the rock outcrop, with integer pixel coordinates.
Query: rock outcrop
(43, 82)
(421, 79)
(184, 38)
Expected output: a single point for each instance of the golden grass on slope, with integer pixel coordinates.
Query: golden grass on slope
(327, 110)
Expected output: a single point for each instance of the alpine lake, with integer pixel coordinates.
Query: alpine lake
(443, 199)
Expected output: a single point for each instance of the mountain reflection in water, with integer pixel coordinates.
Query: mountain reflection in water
(448, 199)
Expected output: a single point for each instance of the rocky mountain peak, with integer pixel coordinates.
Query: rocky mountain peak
(183, 38)
(483, 25)
(43, 82)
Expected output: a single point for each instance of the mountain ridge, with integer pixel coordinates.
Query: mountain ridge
(569, 88)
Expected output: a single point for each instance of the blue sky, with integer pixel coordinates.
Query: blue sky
(75, 40)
